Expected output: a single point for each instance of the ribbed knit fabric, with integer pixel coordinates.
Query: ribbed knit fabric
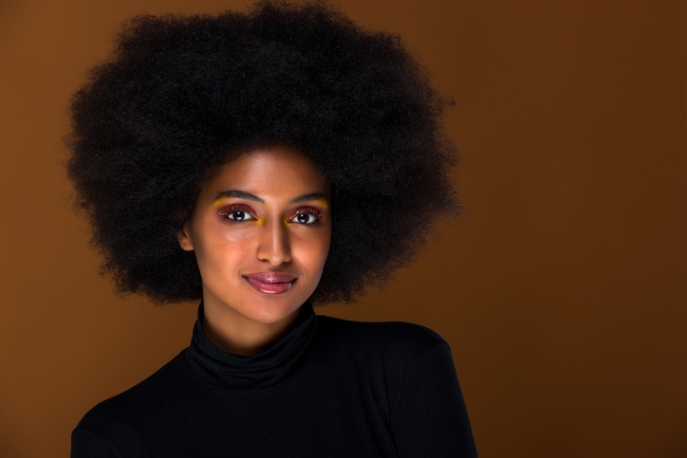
(327, 388)
(265, 370)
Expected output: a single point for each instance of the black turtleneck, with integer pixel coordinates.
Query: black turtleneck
(327, 388)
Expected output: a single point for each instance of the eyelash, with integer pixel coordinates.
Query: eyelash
(308, 210)
(231, 209)
(226, 211)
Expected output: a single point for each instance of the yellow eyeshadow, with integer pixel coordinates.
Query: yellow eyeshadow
(221, 202)
(323, 203)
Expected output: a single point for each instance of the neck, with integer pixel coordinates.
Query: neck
(240, 336)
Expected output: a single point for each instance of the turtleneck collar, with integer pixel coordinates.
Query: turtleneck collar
(265, 370)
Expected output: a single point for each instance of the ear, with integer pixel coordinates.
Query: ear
(184, 238)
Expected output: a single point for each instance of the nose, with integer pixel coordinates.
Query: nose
(274, 245)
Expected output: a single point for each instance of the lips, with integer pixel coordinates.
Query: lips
(270, 282)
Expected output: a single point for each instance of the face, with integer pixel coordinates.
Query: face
(260, 231)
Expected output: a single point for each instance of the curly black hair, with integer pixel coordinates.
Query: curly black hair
(180, 96)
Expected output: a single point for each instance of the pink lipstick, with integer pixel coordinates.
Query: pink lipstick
(270, 282)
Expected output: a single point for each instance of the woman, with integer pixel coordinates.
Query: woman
(263, 163)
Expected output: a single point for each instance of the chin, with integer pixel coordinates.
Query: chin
(273, 313)
(273, 308)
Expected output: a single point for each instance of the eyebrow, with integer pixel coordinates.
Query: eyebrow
(248, 196)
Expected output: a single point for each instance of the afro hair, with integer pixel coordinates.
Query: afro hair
(180, 96)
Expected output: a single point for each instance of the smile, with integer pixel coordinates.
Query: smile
(270, 282)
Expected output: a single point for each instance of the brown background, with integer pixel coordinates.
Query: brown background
(562, 289)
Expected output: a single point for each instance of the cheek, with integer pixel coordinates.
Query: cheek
(222, 251)
(312, 252)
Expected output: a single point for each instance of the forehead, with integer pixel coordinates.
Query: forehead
(270, 172)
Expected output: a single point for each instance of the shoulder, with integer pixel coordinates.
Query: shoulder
(387, 332)
(392, 360)
(393, 343)
(116, 416)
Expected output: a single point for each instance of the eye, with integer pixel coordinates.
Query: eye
(240, 215)
(306, 216)
(237, 213)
